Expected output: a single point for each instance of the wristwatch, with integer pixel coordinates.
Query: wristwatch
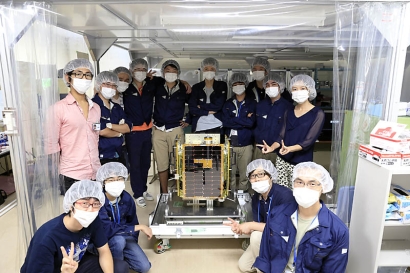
(108, 125)
(120, 135)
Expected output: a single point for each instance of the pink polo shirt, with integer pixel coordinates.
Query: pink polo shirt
(76, 139)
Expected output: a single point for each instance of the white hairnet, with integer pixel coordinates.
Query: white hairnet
(238, 77)
(83, 189)
(275, 78)
(170, 62)
(122, 69)
(266, 165)
(111, 169)
(304, 80)
(105, 77)
(316, 171)
(74, 64)
(211, 62)
(262, 61)
(140, 62)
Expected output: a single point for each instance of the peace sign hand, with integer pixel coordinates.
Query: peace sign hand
(285, 149)
(68, 263)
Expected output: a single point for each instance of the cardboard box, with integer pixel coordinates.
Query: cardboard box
(405, 159)
(379, 157)
(403, 202)
(405, 217)
(388, 136)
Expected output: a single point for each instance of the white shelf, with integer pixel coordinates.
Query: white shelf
(395, 224)
(398, 169)
(395, 253)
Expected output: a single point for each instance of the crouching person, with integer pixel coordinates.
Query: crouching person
(60, 244)
(119, 217)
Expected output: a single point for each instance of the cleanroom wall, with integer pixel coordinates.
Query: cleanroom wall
(365, 91)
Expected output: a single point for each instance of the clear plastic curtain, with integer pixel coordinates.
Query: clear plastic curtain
(28, 78)
(366, 37)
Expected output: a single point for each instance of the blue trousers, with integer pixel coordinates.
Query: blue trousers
(139, 147)
(127, 249)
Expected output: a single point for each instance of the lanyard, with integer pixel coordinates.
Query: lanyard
(294, 244)
(239, 109)
(118, 212)
(259, 208)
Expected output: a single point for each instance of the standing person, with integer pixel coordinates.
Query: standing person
(170, 98)
(301, 129)
(119, 218)
(262, 175)
(60, 244)
(125, 78)
(304, 235)
(76, 126)
(238, 122)
(138, 106)
(207, 100)
(260, 69)
(270, 116)
(113, 120)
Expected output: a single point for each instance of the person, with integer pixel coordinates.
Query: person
(138, 106)
(270, 115)
(262, 175)
(169, 110)
(76, 126)
(301, 128)
(113, 121)
(207, 99)
(125, 78)
(260, 69)
(119, 218)
(60, 244)
(238, 121)
(304, 235)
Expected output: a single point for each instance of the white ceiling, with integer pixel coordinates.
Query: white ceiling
(287, 32)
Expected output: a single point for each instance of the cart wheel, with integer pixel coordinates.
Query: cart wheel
(245, 244)
(160, 247)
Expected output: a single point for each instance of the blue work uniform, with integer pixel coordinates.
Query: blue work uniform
(324, 247)
(235, 117)
(255, 93)
(277, 195)
(303, 130)
(269, 120)
(198, 97)
(138, 107)
(110, 147)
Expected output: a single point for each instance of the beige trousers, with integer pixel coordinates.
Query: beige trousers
(248, 258)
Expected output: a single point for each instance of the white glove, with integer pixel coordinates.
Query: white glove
(108, 125)
(121, 122)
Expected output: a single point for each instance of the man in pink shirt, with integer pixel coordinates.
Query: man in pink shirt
(76, 126)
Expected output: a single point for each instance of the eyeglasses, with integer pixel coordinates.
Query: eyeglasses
(80, 75)
(310, 184)
(259, 175)
(108, 84)
(86, 205)
(118, 179)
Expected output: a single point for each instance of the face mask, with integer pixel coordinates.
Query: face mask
(107, 92)
(81, 85)
(238, 89)
(272, 91)
(209, 75)
(300, 96)
(261, 186)
(140, 76)
(85, 218)
(171, 77)
(122, 86)
(114, 188)
(306, 197)
(258, 75)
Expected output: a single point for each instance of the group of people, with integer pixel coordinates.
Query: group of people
(133, 112)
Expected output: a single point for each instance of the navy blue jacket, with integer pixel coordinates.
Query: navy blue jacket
(138, 108)
(242, 123)
(110, 147)
(323, 248)
(128, 217)
(277, 195)
(304, 131)
(198, 97)
(255, 93)
(169, 109)
(269, 120)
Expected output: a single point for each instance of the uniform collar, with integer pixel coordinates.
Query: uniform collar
(323, 217)
(70, 100)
